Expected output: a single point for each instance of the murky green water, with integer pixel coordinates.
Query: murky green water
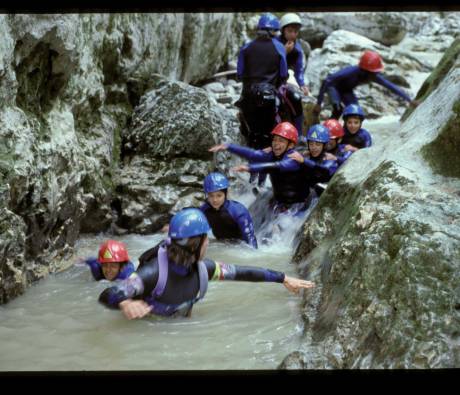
(59, 325)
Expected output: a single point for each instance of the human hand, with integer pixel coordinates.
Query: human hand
(240, 168)
(305, 91)
(329, 156)
(350, 147)
(289, 46)
(218, 147)
(297, 156)
(267, 150)
(134, 308)
(296, 284)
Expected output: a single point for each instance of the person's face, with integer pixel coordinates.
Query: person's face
(279, 145)
(315, 148)
(216, 199)
(291, 32)
(353, 124)
(111, 270)
(331, 144)
(204, 247)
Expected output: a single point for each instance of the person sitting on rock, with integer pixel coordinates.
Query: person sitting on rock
(174, 275)
(355, 136)
(285, 174)
(228, 219)
(112, 263)
(290, 24)
(262, 68)
(318, 169)
(336, 150)
(340, 84)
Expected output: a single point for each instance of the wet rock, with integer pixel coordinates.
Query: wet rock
(387, 28)
(385, 255)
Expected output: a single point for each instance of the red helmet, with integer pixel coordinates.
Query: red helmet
(112, 251)
(335, 128)
(286, 130)
(371, 61)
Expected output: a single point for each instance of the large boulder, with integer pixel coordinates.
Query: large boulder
(165, 154)
(387, 28)
(383, 247)
(343, 48)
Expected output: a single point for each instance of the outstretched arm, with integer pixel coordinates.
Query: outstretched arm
(223, 271)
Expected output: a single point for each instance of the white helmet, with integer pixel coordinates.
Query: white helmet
(289, 19)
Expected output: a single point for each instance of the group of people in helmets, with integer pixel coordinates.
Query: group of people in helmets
(173, 275)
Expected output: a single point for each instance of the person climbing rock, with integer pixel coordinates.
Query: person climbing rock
(339, 85)
(228, 219)
(173, 276)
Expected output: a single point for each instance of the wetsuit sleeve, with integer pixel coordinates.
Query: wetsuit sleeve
(380, 79)
(95, 267)
(245, 223)
(219, 271)
(240, 63)
(126, 289)
(342, 156)
(283, 165)
(299, 67)
(249, 154)
(332, 79)
(284, 75)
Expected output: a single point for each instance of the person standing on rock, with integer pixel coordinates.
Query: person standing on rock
(262, 68)
(174, 275)
(286, 175)
(355, 137)
(339, 85)
(112, 263)
(290, 24)
(318, 169)
(228, 219)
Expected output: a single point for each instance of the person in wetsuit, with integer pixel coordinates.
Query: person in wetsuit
(317, 168)
(290, 24)
(112, 263)
(285, 173)
(339, 85)
(174, 275)
(355, 137)
(262, 68)
(228, 219)
(336, 150)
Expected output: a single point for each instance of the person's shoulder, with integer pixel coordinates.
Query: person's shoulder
(237, 205)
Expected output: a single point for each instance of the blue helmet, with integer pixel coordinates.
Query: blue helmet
(215, 182)
(188, 222)
(268, 22)
(353, 109)
(318, 133)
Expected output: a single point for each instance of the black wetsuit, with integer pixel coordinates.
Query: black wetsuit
(182, 284)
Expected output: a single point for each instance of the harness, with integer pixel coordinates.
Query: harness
(168, 309)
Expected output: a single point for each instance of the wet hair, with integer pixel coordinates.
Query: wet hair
(186, 252)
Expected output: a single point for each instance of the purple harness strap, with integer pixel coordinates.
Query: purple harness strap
(162, 272)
